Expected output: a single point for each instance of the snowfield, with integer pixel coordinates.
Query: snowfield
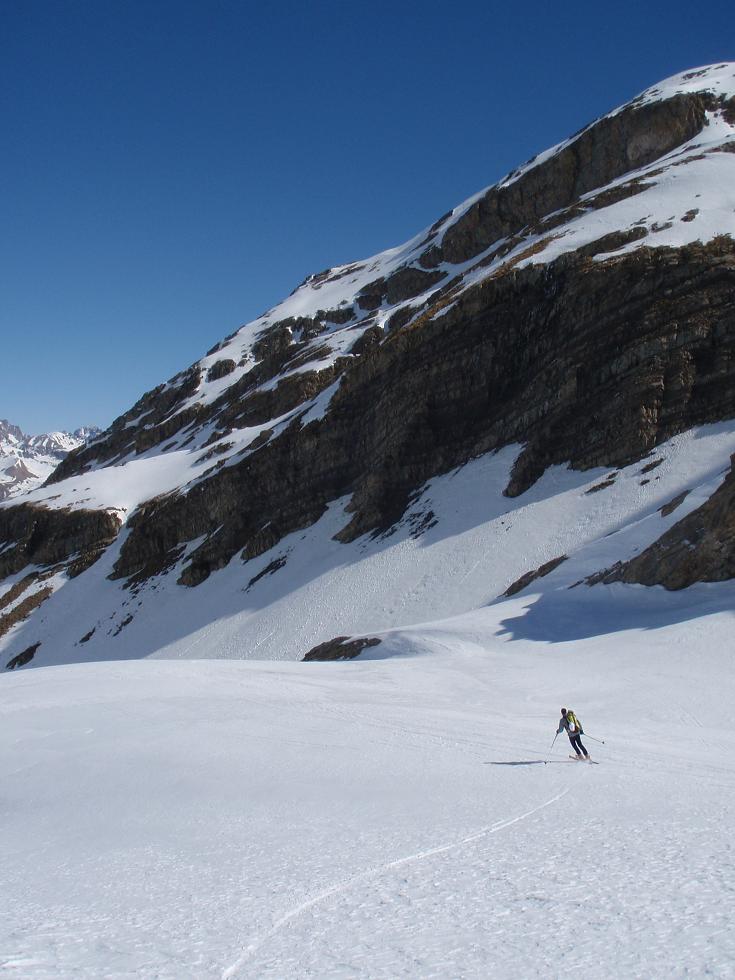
(386, 817)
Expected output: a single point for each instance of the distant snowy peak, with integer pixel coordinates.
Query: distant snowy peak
(10, 435)
(60, 443)
(27, 461)
(57, 444)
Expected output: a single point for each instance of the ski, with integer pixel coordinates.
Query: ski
(579, 758)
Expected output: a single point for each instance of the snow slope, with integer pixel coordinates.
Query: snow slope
(461, 544)
(387, 817)
(391, 816)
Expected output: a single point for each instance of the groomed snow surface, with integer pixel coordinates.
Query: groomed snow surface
(382, 818)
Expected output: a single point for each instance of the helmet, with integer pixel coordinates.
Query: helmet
(563, 711)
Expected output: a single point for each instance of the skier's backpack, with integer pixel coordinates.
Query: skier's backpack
(575, 726)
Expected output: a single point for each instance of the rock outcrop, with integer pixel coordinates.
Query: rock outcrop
(40, 536)
(583, 361)
(341, 648)
(604, 151)
(536, 573)
(699, 548)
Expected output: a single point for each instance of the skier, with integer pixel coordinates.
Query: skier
(573, 727)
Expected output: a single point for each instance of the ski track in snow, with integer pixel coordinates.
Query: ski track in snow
(372, 873)
(169, 819)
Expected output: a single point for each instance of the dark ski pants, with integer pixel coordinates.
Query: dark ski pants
(577, 745)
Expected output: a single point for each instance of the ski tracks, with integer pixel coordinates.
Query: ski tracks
(376, 872)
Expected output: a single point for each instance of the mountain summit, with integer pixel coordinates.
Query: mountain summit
(411, 435)
(26, 461)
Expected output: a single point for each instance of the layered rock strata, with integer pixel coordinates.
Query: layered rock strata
(587, 362)
(506, 322)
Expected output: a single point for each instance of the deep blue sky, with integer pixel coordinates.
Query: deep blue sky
(171, 169)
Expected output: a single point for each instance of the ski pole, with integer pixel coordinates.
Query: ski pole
(552, 746)
(601, 740)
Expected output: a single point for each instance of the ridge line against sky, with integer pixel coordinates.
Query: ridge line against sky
(171, 171)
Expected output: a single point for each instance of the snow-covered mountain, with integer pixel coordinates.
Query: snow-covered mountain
(378, 449)
(27, 461)
(495, 467)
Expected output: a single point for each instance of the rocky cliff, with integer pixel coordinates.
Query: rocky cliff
(652, 352)
(581, 308)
